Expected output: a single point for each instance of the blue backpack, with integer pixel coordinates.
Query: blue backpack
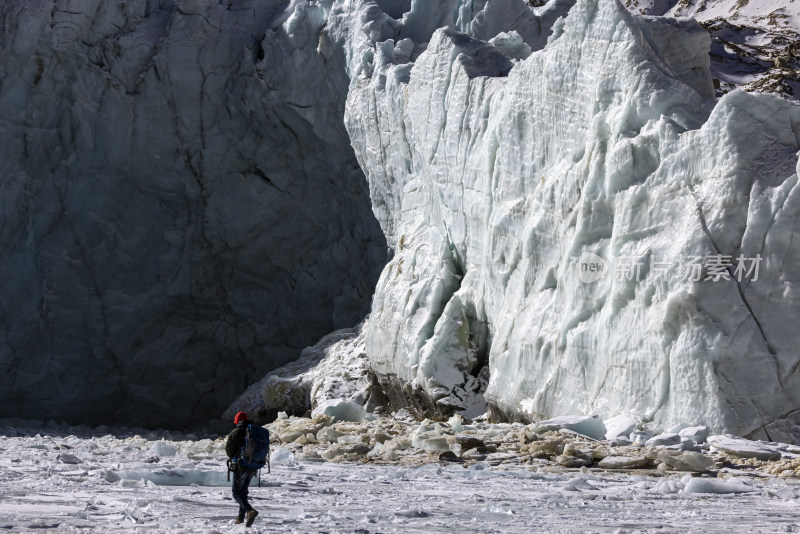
(255, 450)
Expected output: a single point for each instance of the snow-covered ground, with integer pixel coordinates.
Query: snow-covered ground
(75, 479)
(754, 43)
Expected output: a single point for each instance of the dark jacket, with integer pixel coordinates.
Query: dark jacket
(235, 441)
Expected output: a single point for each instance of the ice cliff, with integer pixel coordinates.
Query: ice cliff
(181, 210)
(574, 216)
(573, 208)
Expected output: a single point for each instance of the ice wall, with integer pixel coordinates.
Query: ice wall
(582, 217)
(180, 209)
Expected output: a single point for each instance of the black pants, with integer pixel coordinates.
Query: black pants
(241, 486)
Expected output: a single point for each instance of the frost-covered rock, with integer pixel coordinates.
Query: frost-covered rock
(586, 222)
(181, 209)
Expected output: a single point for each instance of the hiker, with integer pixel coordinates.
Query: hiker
(242, 464)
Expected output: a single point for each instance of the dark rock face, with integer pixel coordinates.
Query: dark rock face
(180, 208)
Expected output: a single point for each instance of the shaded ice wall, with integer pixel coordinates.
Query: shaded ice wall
(180, 209)
(502, 172)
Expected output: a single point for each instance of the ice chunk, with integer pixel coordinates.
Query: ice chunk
(687, 461)
(456, 423)
(663, 440)
(437, 444)
(624, 462)
(332, 453)
(590, 426)
(163, 449)
(341, 410)
(511, 45)
(744, 448)
(329, 434)
(350, 439)
(621, 425)
(579, 483)
(698, 434)
(640, 437)
(714, 485)
(171, 477)
(281, 456)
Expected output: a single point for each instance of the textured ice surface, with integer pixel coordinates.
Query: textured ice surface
(556, 184)
(181, 210)
(586, 222)
(120, 487)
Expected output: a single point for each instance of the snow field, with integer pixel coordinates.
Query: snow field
(63, 479)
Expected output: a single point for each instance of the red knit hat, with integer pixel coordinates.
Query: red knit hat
(241, 416)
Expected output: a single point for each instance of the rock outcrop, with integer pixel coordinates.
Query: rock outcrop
(181, 208)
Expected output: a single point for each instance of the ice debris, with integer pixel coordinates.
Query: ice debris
(744, 448)
(281, 456)
(711, 485)
(590, 426)
(341, 410)
(552, 445)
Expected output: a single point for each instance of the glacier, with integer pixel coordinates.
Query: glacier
(579, 222)
(499, 177)
(181, 209)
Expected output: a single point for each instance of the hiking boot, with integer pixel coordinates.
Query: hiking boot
(251, 516)
(239, 520)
